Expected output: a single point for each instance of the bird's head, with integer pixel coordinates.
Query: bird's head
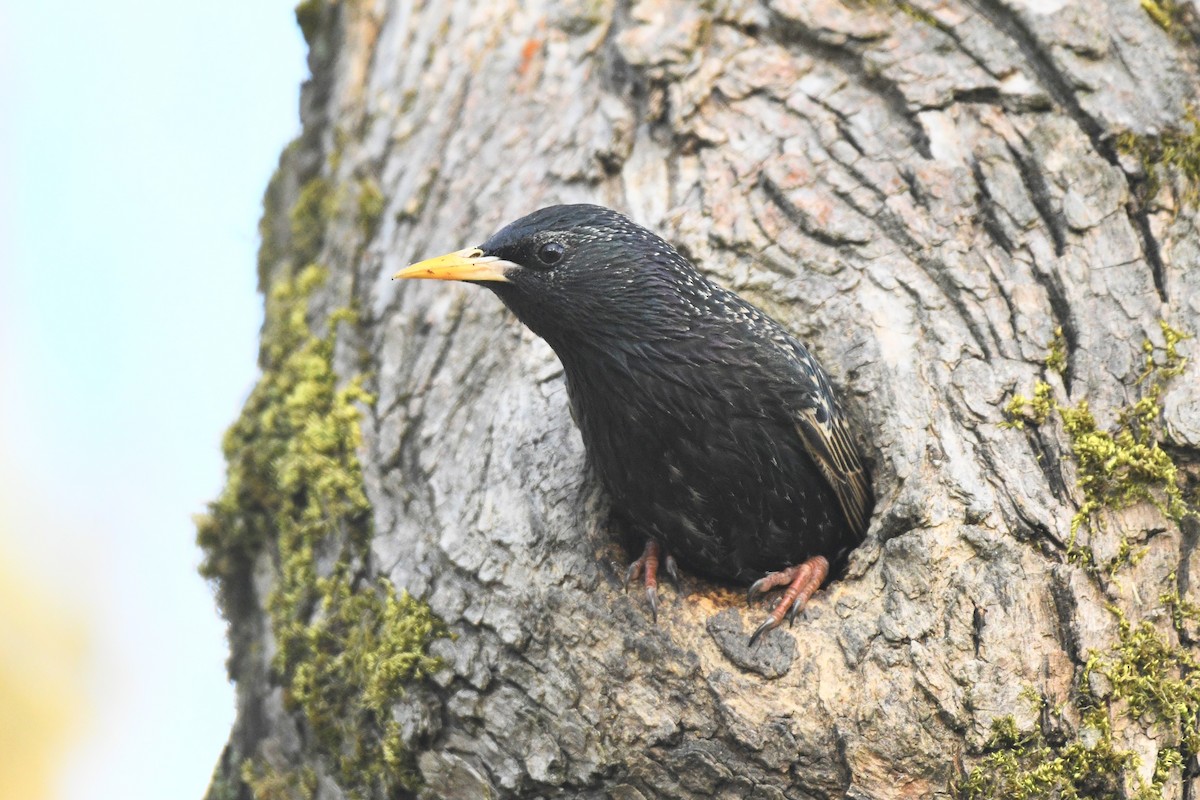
(577, 272)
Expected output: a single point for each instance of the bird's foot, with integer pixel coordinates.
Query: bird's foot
(647, 567)
(801, 582)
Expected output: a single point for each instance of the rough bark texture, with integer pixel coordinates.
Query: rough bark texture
(924, 192)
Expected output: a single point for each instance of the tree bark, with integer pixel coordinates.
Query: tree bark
(925, 193)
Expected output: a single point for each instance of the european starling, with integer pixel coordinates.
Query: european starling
(714, 431)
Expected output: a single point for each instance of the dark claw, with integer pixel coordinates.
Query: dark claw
(793, 611)
(767, 624)
(646, 567)
(672, 570)
(634, 570)
(755, 589)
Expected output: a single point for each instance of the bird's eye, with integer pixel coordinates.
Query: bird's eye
(550, 253)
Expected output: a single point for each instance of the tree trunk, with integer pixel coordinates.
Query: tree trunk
(976, 215)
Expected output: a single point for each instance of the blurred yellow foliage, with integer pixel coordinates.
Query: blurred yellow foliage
(43, 697)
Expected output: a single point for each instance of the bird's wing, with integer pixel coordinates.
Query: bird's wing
(828, 442)
(827, 439)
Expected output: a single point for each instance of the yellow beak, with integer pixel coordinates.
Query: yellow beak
(465, 265)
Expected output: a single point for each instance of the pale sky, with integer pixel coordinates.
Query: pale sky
(136, 139)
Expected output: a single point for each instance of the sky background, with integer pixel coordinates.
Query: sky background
(136, 139)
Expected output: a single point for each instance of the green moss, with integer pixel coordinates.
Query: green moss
(1174, 153)
(1030, 766)
(1120, 467)
(1153, 680)
(908, 9)
(309, 15)
(223, 786)
(345, 650)
(1172, 363)
(1158, 678)
(1183, 613)
(1038, 408)
(1035, 409)
(342, 138)
(1168, 763)
(1149, 677)
(242, 520)
(1056, 356)
(370, 206)
(349, 667)
(1165, 13)
(308, 220)
(267, 783)
(1127, 465)
(919, 14)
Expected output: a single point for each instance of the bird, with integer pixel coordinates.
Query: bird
(715, 432)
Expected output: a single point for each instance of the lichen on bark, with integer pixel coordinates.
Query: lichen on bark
(1148, 677)
(346, 645)
(1170, 158)
(1125, 465)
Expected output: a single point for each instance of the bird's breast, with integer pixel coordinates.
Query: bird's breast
(723, 484)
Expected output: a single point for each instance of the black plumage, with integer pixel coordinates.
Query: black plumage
(715, 432)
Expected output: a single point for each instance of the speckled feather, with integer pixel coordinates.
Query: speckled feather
(713, 429)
